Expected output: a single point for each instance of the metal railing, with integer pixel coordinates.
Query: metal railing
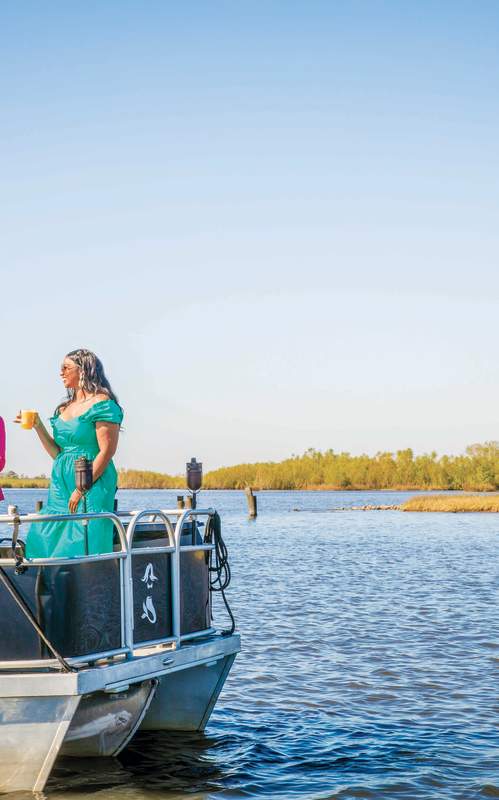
(126, 533)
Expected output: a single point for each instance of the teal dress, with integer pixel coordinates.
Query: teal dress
(76, 437)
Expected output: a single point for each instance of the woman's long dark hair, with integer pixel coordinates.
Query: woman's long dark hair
(92, 377)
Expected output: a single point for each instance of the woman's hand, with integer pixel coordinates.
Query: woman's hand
(74, 500)
(46, 439)
(36, 420)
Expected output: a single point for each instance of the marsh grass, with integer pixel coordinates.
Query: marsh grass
(453, 503)
(23, 483)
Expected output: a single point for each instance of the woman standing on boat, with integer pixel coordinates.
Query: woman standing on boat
(86, 424)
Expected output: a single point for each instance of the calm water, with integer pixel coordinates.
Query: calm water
(369, 665)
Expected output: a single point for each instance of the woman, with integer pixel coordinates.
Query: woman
(86, 424)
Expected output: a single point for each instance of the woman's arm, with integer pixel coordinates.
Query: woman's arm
(50, 446)
(107, 439)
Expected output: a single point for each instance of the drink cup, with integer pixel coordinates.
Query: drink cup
(28, 419)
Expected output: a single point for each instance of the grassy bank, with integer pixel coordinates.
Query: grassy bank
(23, 482)
(453, 503)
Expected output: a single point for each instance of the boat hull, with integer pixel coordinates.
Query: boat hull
(32, 731)
(184, 700)
(104, 722)
(97, 710)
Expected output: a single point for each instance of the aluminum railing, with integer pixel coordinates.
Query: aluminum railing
(174, 548)
(124, 555)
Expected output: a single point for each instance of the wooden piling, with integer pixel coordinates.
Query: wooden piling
(180, 501)
(250, 497)
(38, 506)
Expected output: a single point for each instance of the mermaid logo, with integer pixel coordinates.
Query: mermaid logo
(149, 576)
(149, 612)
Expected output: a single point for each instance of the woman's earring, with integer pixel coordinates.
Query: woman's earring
(81, 380)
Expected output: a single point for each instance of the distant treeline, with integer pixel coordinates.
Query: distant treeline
(477, 470)
(127, 479)
(145, 479)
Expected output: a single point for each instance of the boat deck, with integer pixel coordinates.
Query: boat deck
(102, 645)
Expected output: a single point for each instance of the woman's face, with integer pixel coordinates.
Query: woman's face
(70, 374)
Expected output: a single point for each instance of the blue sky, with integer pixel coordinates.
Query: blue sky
(275, 222)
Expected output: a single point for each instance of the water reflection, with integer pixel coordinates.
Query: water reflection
(191, 762)
(169, 764)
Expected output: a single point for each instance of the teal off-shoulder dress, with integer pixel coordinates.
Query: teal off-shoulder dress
(76, 437)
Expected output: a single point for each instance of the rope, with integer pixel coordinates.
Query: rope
(219, 571)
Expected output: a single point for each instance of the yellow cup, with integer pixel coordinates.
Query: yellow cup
(28, 419)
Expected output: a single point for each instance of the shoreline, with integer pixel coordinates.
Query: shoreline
(456, 502)
(43, 483)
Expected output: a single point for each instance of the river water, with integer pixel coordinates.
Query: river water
(369, 666)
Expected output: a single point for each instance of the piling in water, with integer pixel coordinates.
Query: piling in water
(250, 497)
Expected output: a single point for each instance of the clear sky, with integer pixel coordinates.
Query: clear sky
(275, 222)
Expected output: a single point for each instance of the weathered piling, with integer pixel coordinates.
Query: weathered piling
(39, 506)
(250, 497)
(180, 501)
